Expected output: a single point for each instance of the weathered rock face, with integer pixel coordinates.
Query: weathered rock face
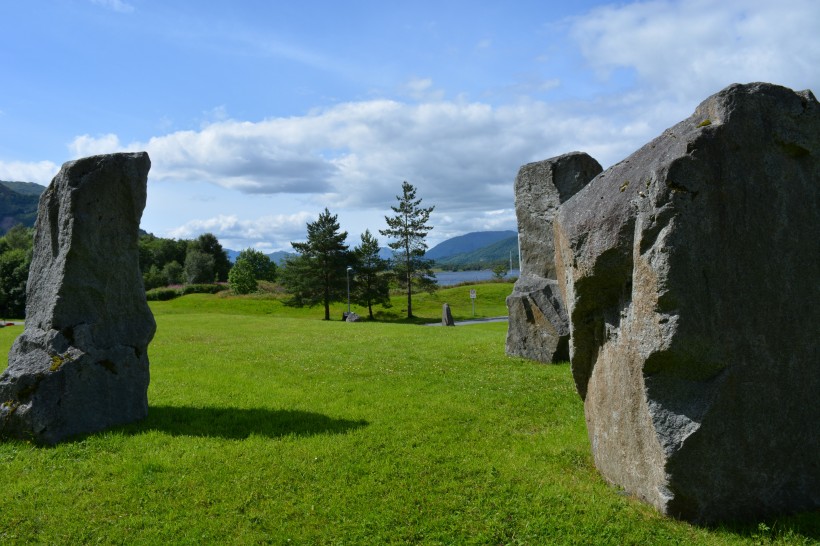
(81, 364)
(690, 271)
(538, 327)
(447, 316)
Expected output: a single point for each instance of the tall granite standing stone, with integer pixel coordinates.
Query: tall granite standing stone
(81, 364)
(538, 327)
(690, 271)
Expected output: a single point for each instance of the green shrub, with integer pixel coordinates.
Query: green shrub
(203, 288)
(162, 294)
(241, 277)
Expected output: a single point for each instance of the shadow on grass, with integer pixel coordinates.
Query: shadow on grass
(239, 423)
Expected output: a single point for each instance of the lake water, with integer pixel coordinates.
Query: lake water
(449, 278)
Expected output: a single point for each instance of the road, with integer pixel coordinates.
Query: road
(473, 321)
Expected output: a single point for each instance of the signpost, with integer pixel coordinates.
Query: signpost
(472, 298)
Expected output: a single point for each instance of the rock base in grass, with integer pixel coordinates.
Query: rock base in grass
(81, 364)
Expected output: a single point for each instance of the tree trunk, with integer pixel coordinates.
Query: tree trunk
(409, 279)
(327, 296)
(409, 296)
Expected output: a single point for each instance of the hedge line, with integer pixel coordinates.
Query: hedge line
(163, 294)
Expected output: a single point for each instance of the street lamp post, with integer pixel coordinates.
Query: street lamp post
(349, 271)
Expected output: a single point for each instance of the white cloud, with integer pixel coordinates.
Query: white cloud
(40, 172)
(652, 62)
(451, 225)
(357, 154)
(421, 89)
(686, 50)
(86, 145)
(274, 231)
(115, 5)
(462, 157)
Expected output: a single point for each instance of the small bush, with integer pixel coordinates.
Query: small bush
(241, 277)
(162, 294)
(203, 288)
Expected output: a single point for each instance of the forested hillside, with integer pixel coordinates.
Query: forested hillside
(469, 242)
(18, 204)
(486, 257)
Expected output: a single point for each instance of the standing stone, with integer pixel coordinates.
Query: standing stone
(81, 364)
(447, 316)
(538, 327)
(690, 272)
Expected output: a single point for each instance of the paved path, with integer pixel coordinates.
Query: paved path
(473, 321)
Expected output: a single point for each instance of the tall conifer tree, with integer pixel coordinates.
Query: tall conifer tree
(409, 229)
(371, 285)
(318, 274)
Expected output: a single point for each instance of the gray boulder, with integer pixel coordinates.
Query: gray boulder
(690, 273)
(352, 317)
(447, 316)
(538, 327)
(81, 363)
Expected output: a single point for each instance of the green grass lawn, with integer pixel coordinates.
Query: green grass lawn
(268, 425)
(489, 302)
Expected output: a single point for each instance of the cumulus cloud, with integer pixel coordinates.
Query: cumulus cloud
(651, 63)
(357, 154)
(450, 225)
(86, 145)
(687, 50)
(40, 172)
(274, 231)
(462, 156)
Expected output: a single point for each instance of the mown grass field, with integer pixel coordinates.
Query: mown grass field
(268, 425)
(489, 302)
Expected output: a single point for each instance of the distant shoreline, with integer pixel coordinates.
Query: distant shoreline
(449, 278)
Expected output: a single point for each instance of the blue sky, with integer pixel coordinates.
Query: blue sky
(259, 114)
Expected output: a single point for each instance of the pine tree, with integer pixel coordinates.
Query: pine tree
(372, 284)
(409, 229)
(318, 274)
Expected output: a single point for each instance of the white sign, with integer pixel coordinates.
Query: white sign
(472, 294)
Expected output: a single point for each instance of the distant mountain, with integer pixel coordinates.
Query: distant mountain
(279, 256)
(18, 204)
(276, 257)
(470, 242)
(476, 250)
(25, 188)
(232, 254)
(485, 257)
